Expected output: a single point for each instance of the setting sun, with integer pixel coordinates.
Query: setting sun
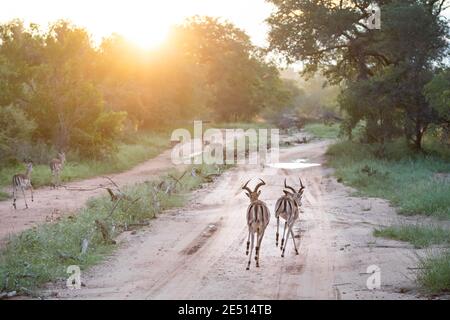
(145, 23)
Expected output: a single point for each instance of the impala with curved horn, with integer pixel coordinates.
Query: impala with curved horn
(287, 207)
(258, 217)
(22, 181)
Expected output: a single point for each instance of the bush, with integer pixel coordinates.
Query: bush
(15, 133)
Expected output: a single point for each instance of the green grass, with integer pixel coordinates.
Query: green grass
(434, 273)
(240, 125)
(323, 131)
(42, 254)
(407, 180)
(144, 146)
(420, 236)
(4, 195)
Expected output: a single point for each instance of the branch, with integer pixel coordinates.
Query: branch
(326, 49)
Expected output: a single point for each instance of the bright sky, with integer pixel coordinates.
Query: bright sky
(144, 22)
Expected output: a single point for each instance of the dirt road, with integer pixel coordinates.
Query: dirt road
(198, 252)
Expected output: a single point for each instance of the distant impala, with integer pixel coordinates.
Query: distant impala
(56, 166)
(22, 181)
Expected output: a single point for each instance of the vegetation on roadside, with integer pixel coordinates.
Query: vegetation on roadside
(129, 153)
(416, 183)
(434, 272)
(434, 268)
(242, 125)
(420, 235)
(323, 131)
(4, 195)
(42, 254)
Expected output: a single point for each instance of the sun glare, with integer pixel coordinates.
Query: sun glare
(146, 39)
(145, 23)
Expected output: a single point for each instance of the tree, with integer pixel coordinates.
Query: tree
(241, 82)
(437, 92)
(15, 131)
(330, 36)
(65, 100)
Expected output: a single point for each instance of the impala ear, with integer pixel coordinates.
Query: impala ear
(247, 194)
(287, 193)
(259, 192)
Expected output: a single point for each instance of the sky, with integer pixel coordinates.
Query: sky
(144, 22)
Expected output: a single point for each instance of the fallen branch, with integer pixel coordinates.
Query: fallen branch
(104, 231)
(112, 181)
(177, 180)
(84, 189)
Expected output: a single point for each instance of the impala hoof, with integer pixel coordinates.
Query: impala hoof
(282, 255)
(248, 268)
(296, 252)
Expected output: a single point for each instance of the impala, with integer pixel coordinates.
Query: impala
(22, 181)
(258, 217)
(56, 166)
(287, 207)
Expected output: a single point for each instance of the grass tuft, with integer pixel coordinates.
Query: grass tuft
(420, 236)
(434, 273)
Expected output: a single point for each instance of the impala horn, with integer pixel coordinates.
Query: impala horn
(259, 185)
(247, 188)
(301, 185)
(287, 187)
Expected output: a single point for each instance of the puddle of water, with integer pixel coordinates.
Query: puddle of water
(297, 164)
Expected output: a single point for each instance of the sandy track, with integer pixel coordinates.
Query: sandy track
(46, 200)
(198, 252)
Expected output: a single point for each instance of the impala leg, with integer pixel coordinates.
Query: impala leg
(31, 189)
(259, 246)
(24, 197)
(14, 197)
(59, 179)
(251, 250)
(248, 243)
(293, 240)
(287, 238)
(282, 239)
(278, 233)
